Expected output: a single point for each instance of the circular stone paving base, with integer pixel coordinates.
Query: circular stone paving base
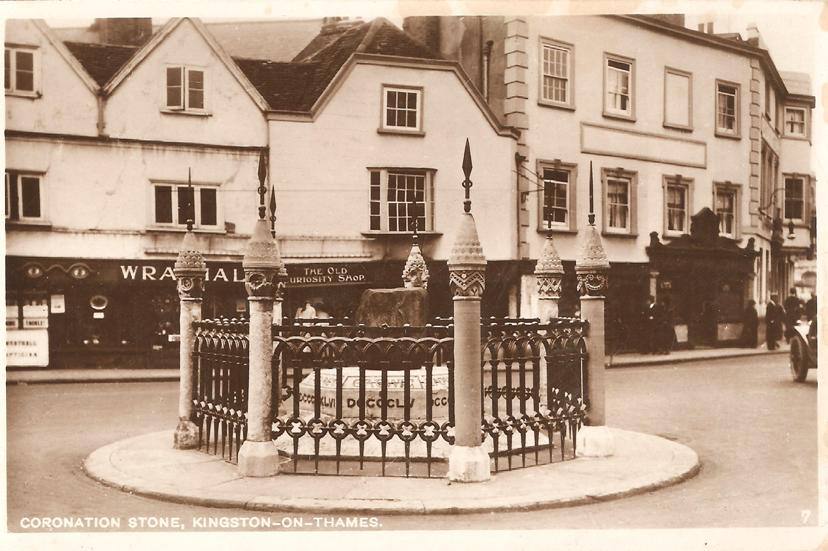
(149, 466)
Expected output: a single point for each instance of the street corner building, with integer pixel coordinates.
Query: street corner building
(118, 133)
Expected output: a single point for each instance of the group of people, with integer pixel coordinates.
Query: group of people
(776, 317)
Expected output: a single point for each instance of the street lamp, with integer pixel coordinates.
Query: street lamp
(776, 220)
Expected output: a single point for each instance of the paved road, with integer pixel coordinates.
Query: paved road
(753, 428)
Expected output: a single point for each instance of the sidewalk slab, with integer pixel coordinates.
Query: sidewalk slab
(641, 463)
(42, 376)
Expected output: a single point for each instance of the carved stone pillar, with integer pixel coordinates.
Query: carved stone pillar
(549, 274)
(415, 272)
(468, 459)
(190, 271)
(592, 271)
(263, 266)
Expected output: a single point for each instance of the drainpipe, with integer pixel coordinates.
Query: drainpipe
(101, 124)
(487, 53)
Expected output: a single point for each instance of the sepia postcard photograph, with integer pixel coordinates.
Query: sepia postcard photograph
(431, 275)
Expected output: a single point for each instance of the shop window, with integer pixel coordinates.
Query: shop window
(557, 201)
(174, 204)
(394, 196)
(185, 88)
(727, 109)
(619, 201)
(676, 205)
(24, 197)
(556, 73)
(619, 87)
(794, 198)
(402, 109)
(21, 70)
(795, 122)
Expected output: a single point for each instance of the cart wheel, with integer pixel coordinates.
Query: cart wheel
(798, 361)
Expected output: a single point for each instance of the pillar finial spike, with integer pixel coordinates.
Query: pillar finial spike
(467, 183)
(262, 190)
(591, 215)
(273, 210)
(190, 207)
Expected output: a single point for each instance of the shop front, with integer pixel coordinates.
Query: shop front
(704, 281)
(99, 313)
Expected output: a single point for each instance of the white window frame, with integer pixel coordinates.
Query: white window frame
(803, 183)
(803, 122)
(571, 218)
(400, 89)
(384, 175)
(19, 191)
(197, 187)
(735, 191)
(610, 110)
(631, 179)
(568, 78)
(737, 109)
(12, 90)
(686, 185)
(184, 106)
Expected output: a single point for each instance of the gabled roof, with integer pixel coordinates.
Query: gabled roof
(297, 86)
(67, 56)
(144, 51)
(101, 61)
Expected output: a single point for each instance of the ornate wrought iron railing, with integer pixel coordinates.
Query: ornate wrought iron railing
(351, 399)
(534, 381)
(220, 362)
(352, 402)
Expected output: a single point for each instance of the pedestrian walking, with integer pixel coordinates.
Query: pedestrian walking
(750, 325)
(667, 329)
(793, 311)
(811, 307)
(774, 318)
(654, 320)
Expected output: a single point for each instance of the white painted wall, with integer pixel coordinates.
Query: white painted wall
(98, 197)
(66, 105)
(135, 108)
(320, 168)
(555, 133)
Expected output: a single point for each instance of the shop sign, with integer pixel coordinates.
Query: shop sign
(58, 304)
(27, 347)
(333, 274)
(12, 323)
(38, 323)
(307, 275)
(35, 310)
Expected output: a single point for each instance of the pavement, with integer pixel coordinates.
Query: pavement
(147, 465)
(34, 376)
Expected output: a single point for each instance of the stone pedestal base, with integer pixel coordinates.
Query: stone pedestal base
(186, 435)
(597, 441)
(258, 459)
(469, 464)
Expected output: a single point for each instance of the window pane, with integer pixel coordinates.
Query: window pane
(7, 65)
(163, 205)
(186, 204)
(30, 196)
(208, 209)
(174, 87)
(793, 198)
(195, 89)
(24, 71)
(391, 98)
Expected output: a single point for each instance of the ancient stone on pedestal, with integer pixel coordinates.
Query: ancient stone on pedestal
(190, 271)
(468, 460)
(393, 307)
(262, 265)
(549, 275)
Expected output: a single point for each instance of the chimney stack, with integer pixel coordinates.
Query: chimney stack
(127, 31)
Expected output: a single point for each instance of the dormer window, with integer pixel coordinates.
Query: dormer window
(21, 70)
(185, 89)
